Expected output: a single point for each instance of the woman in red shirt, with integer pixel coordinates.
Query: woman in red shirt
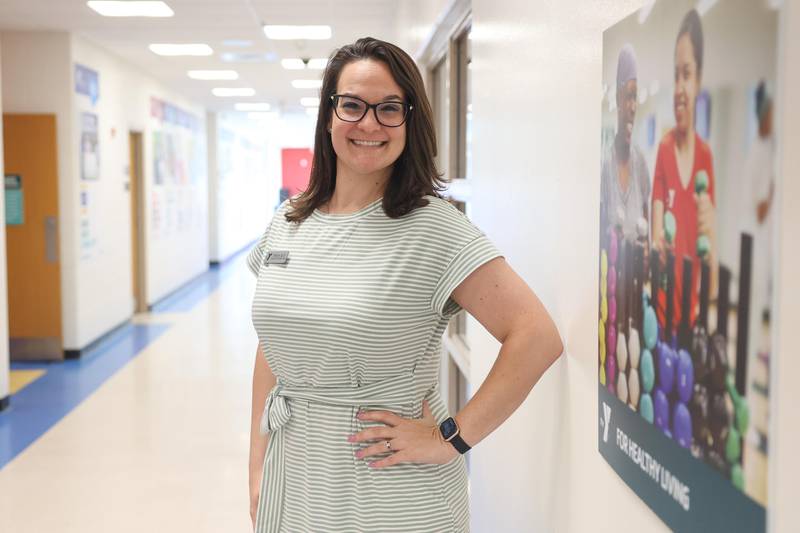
(682, 155)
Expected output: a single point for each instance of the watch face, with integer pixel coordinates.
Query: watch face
(448, 428)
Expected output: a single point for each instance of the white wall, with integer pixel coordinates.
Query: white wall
(536, 95)
(37, 78)
(177, 246)
(4, 355)
(416, 21)
(241, 187)
(95, 245)
(245, 174)
(784, 429)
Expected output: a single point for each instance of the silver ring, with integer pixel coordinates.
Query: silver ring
(388, 445)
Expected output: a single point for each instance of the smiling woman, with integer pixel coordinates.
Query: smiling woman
(357, 278)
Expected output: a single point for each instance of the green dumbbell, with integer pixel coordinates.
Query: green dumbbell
(700, 187)
(670, 227)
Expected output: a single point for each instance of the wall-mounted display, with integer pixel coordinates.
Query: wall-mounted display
(685, 264)
(90, 149)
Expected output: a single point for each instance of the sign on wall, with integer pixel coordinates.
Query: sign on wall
(686, 248)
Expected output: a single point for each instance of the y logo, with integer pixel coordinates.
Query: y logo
(606, 420)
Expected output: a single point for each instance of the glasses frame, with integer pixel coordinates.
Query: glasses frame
(406, 107)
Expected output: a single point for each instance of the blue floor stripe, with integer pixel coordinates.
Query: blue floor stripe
(40, 405)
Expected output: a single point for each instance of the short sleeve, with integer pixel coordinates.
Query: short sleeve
(464, 248)
(256, 255)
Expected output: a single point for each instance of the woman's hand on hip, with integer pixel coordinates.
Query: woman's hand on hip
(412, 440)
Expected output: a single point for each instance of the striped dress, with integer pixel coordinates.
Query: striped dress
(354, 319)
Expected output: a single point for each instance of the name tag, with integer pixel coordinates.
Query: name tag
(277, 257)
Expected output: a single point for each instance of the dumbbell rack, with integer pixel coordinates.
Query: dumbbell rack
(676, 376)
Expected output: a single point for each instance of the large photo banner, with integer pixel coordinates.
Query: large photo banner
(686, 258)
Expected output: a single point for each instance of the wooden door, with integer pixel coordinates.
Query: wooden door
(136, 190)
(34, 269)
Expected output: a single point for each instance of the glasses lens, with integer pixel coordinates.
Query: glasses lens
(391, 113)
(351, 109)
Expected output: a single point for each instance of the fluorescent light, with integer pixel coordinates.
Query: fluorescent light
(213, 74)
(181, 49)
(252, 106)
(307, 84)
(293, 64)
(318, 63)
(255, 115)
(131, 9)
(309, 101)
(233, 91)
(313, 111)
(297, 32)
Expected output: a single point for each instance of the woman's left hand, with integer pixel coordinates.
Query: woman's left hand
(413, 440)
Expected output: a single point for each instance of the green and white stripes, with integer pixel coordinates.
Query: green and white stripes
(353, 320)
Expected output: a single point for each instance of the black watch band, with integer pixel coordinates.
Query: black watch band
(450, 432)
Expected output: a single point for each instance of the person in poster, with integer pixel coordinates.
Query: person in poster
(624, 178)
(684, 217)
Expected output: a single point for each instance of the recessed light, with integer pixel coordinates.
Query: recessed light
(313, 111)
(131, 8)
(293, 64)
(233, 91)
(252, 106)
(213, 74)
(307, 84)
(181, 49)
(318, 63)
(297, 32)
(248, 57)
(309, 101)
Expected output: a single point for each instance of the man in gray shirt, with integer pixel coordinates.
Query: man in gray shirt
(624, 179)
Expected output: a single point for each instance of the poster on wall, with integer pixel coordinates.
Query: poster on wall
(686, 278)
(90, 150)
(178, 169)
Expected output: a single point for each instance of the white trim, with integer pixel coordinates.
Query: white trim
(447, 23)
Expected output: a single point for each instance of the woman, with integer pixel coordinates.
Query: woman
(682, 155)
(352, 320)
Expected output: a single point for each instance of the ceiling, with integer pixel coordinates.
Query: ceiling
(213, 22)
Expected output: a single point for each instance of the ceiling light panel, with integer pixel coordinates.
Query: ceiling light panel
(307, 84)
(318, 63)
(252, 106)
(293, 64)
(284, 33)
(213, 74)
(181, 49)
(131, 8)
(233, 91)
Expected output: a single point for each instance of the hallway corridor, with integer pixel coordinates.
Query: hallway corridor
(161, 444)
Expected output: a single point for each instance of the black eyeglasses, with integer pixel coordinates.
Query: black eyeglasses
(352, 109)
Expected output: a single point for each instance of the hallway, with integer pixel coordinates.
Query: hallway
(161, 444)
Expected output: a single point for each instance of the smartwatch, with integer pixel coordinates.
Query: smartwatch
(450, 432)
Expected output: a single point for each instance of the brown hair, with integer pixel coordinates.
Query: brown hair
(414, 173)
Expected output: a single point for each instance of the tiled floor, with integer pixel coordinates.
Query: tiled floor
(147, 433)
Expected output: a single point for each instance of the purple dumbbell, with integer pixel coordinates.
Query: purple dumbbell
(661, 407)
(685, 376)
(682, 425)
(666, 367)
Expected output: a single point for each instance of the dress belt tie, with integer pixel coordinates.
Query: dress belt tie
(277, 413)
